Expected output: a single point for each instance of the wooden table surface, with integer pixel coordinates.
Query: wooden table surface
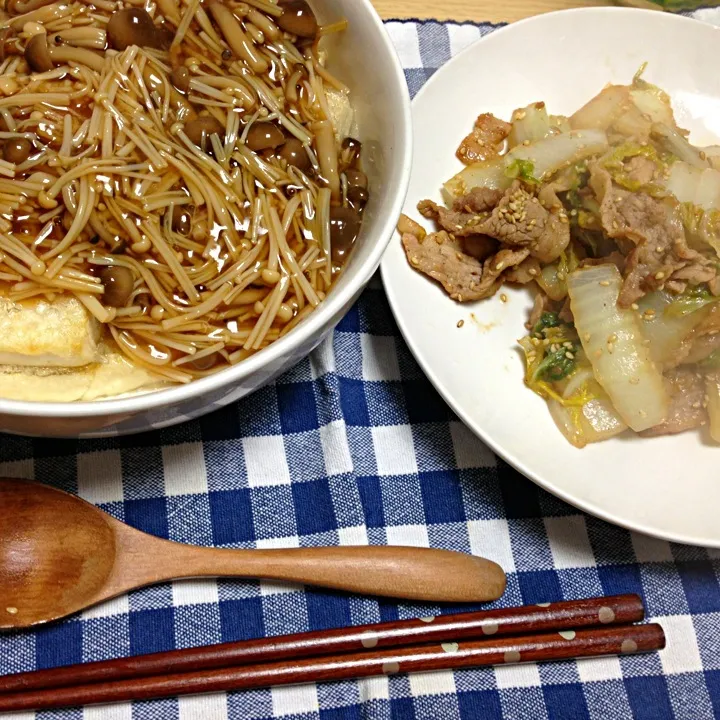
(477, 10)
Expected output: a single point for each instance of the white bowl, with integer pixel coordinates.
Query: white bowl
(665, 486)
(366, 61)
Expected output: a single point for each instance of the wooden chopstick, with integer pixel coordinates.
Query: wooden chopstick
(450, 655)
(532, 619)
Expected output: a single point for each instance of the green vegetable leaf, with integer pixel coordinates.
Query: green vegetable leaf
(547, 320)
(711, 362)
(640, 84)
(523, 170)
(637, 78)
(557, 365)
(616, 158)
(701, 226)
(690, 301)
(614, 163)
(586, 238)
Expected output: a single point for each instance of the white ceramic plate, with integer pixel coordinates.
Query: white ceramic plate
(667, 487)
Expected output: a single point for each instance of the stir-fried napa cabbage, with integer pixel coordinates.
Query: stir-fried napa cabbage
(614, 343)
(612, 216)
(668, 323)
(541, 159)
(694, 185)
(712, 389)
(559, 371)
(592, 422)
(529, 124)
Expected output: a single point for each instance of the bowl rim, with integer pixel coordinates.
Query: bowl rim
(483, 434)
(312, 325)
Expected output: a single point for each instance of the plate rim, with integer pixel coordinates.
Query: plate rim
(508, 456)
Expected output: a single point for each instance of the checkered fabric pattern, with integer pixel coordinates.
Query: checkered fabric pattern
(353, 446)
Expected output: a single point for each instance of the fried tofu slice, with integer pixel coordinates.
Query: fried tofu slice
(341, 112)
(116, 375)
(113, 376)
(37, 333)
(44, 384)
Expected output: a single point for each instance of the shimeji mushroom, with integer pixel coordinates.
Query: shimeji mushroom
(42, 57)
(201, 128)
(134, 26)
(297, 18)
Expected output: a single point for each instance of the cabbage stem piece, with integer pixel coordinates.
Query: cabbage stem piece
(529, 124)
(667, 325)
(712, 389)
(593, 422)
(546, 156)
(690, 184)
(614, 343)
(602, 111)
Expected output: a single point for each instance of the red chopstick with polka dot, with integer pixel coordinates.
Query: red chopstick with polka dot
(535, 633)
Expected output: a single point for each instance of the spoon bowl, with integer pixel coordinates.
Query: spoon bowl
(44, 539)
(60, 555)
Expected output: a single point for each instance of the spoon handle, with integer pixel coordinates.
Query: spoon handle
(401, 572)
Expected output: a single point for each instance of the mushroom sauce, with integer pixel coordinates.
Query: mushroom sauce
(185, 170)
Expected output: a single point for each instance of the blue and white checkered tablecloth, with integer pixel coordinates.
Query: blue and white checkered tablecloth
(353, 446)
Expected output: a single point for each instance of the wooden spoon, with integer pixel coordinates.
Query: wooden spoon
(60, 554)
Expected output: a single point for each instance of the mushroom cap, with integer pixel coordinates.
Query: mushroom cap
(118, 285)
(37, 53)
(180, 78)
(297, 18)
(345, 225)
(264, 136)
(293, 152)
(201, 128)
(133, 26)
(17, 150)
